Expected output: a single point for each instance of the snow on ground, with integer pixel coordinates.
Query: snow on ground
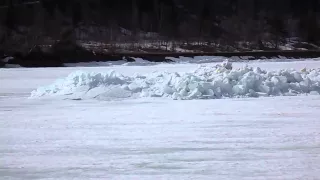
(137, 62)
(142, 62)
(6, 59)
(12, 66)
(197, 59)
(274, 138)
(286, 47)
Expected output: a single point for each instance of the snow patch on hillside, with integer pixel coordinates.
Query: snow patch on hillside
(206, 82)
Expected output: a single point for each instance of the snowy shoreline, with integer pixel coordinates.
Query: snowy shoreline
(94, 59)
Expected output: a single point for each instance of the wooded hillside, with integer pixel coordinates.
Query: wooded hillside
(218, 25)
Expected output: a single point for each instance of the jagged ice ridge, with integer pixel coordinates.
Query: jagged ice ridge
(206, 82)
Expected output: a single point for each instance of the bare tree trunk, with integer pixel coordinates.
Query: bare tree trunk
(135, 17)
(10, 18)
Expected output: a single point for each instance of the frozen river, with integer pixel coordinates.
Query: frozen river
(155, 138)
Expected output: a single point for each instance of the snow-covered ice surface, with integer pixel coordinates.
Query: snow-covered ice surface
(275, 138)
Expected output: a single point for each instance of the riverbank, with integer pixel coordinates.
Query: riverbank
(59, 58)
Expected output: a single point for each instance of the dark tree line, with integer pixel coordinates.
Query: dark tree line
(228, 22)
